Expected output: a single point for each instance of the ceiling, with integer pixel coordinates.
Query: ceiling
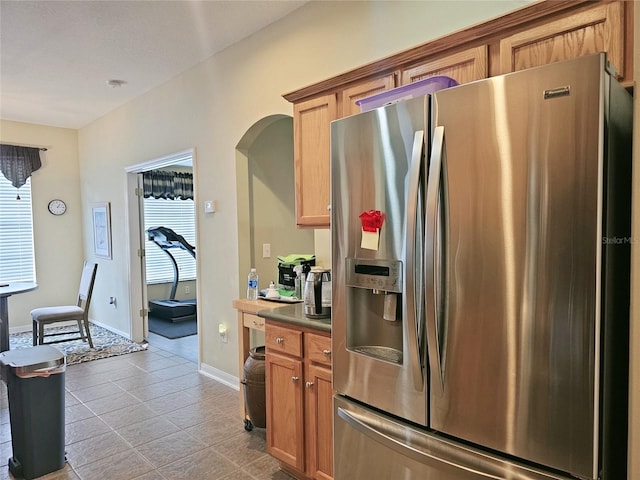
(56, 57)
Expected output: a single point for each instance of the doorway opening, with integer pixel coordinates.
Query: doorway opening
(163, 226)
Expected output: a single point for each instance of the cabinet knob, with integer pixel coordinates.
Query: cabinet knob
(326, 353)
(279, 340)
(295, 379)
(308, 384)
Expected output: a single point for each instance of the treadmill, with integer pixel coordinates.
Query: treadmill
(171, 309)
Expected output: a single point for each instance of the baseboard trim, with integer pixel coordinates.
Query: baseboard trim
(27, 328)
(220, 376)
(111, 329)
(19, 329)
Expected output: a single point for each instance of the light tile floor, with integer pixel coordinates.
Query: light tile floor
(185, 347)
(150, 416)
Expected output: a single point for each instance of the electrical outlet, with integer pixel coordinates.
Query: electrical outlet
(222, 331)
(266, 250)
(187, 289)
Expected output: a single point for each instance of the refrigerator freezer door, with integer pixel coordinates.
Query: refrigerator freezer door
(372, 446)
(517, 336)
(377, 171)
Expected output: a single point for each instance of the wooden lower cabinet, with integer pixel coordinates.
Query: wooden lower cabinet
(299, 400)
(285, 415)
(319, 421)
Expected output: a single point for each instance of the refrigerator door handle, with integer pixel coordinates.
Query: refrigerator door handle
(431, 260)
(415, 359)
(359, 423)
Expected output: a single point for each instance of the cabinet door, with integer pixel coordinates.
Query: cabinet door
(598, 29)
(319, 422)
(317, 348)
(312, 137)
(466, 66)
(285, 427)
(362, 90)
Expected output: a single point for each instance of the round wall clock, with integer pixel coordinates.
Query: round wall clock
(57, 207)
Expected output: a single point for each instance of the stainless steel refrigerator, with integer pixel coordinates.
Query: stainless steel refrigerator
(480, 327)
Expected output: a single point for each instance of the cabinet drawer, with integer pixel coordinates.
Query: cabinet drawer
(317, 348)
(253, 321)
(284, 340)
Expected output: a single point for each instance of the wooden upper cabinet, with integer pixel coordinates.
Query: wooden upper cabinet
(362, 90)
(466, 66)
(312, 141)
(539, 34)
(598, 29)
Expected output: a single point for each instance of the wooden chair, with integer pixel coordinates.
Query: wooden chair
(64, 313)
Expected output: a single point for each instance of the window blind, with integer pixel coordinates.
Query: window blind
(17, 262)
(179, 216)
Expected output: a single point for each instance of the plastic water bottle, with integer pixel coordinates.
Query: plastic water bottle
(252, 285)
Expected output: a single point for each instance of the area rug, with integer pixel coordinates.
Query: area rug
(172, 330)
(106, 344)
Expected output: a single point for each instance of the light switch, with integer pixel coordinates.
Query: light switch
(266, 250)
(209, 206)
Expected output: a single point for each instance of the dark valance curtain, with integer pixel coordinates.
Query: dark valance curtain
(18, 163)
(167, 185)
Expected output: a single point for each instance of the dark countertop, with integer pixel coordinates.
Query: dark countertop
(294, 315)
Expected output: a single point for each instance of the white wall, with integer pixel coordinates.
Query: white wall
(59, 252)
(211, 106)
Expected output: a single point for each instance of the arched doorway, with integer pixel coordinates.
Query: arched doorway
(266, 200)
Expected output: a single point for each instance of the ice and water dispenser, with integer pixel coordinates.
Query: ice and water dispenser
(374, 308)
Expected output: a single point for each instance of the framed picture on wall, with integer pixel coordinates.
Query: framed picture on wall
(101, 214)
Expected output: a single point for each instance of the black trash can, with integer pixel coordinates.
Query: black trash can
(35, 384)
